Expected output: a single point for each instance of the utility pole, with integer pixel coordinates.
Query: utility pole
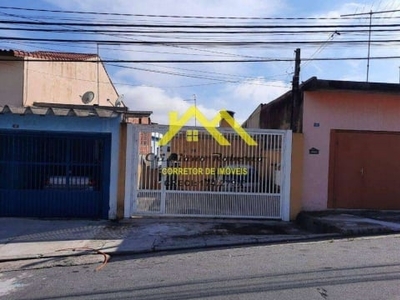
(295, 91)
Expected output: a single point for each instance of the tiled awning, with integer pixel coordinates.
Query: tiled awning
(90, 111)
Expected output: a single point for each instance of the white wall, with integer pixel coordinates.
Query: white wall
(26, 82)
(66, 82)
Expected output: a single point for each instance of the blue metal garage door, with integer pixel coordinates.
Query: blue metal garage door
(54, 174)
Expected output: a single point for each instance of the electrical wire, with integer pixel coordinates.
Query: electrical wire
(261, 32)
(208, 61)
(138, 25)
(199, 43)
(170, 16)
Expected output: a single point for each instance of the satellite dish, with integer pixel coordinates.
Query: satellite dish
(119, 101)
(87, 97)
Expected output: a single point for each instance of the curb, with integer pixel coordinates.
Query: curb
(260, 241)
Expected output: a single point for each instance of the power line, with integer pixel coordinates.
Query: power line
(210, 61)
(197, 43)
(227, 79)
(168, 16)
(278, 32)
(368, 13)
(85, 24)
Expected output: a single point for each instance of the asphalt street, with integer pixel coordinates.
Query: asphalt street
(352, 268)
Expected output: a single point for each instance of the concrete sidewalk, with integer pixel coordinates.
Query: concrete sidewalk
(38, 238)
(350, 222)
(35, 238)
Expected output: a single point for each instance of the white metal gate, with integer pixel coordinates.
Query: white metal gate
(193, 175)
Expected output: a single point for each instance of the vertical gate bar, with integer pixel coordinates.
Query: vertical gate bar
(148, 167)
(74, 153)
(85, 160)
(39, 149)
(76, 160)
(163, 193)
(33, 168)
(274, 154)
(277, 151)
(145, 172)
(28, 163)
(257, 165)
(260, 142)
(260, 186)
(14, 156)
(16, 148)
(23, 162)
(264, 152)
(270, 166)
(50, 160)
(268, 162)
(240, 205)
(59, 147)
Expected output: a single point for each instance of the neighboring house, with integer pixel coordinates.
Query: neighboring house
(40, 77)
(53, 77)
(349, 142)
(59, 162)
(62, 135)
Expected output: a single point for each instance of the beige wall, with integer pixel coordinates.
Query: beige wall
(339, 110)
(66, 82)
(254, 120)
(12, 83)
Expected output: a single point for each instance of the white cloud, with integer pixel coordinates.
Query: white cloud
(160, 103)
(242, 99)
(246, 96)
(259, 90)
(183, 7)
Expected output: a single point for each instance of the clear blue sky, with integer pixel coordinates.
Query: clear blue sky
(240, 87)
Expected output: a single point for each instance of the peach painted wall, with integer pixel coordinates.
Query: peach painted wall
(339, 110)
(296, 176)
(12, 83)
(65, 82)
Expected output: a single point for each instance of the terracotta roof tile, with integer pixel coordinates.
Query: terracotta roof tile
(43, 111)
(49, 55)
